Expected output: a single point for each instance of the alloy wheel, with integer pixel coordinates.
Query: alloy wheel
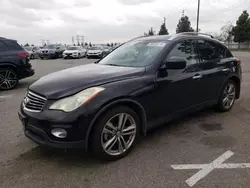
(118, 134)
(8, 79)
(228, 96)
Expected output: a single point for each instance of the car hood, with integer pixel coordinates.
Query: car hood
(71, 51)
(70, 81)
(94, 51)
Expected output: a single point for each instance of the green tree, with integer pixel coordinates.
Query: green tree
(86, 44)
(184, 25)
(163, 29)
(82, 44)
(111, 44)
(27, 44)
(241, 31)
(90, 44)
(108, 44)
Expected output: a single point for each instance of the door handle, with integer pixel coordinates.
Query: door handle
(225, 70)
(198, 76)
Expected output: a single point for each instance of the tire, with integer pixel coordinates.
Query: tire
(79, 56)
(226, 99)
(98, 138)
(88, 57)
(8, 79)
(32, 56)
(41, 57)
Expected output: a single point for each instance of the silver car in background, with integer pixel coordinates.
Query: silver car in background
(33, 51)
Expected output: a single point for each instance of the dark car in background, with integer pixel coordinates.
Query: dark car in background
(14, 64)
(52, 51)
(104, 107)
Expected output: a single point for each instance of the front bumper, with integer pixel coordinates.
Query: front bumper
(47, 55)
(38, 130)
(94, 55)
(65, 56)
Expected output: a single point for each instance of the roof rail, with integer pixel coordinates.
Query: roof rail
(195, 34)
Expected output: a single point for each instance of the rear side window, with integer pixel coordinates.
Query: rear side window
(13, 45)
(208, 50)
(3, 47)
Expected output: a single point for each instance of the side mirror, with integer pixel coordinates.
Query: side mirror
(175, 63)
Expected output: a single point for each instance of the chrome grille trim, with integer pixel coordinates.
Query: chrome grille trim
(33, 102)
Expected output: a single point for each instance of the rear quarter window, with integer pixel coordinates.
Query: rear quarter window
(3, 47)
(224, 52)
(13, 45)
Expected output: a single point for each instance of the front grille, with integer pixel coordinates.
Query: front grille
(34, 102)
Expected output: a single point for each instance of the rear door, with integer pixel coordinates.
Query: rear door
(211, 68)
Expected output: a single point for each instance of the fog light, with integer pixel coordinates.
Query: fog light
(59, 133)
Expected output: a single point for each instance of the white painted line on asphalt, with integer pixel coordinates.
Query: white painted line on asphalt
(6, 96)
(205, 169)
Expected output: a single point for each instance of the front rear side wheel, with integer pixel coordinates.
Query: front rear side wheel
(8, 79)
(115, 134)
(227, 96)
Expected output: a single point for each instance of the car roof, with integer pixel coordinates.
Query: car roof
(2, 38)
(177, 37)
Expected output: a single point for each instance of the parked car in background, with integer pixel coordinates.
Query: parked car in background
(52, 51)
(104, 107)
(74, 52)
(33, 51)
(106, 50)
(14, 64)
(95, 51)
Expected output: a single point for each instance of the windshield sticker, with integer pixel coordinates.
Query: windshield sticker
(160, 44)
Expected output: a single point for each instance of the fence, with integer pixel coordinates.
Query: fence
(237, 46)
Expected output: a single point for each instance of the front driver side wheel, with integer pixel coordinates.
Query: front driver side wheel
(115, 134)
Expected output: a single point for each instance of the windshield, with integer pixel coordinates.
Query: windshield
(28, 48)
(95, 48)
(73, 48)
(51, 46)
(134, 54)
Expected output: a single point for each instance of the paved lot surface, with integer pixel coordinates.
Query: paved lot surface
(198, 139)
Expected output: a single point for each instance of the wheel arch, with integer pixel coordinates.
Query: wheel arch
(8, 65)
(134, 105)
(238, 85)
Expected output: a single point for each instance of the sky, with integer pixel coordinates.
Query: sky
(104, 21)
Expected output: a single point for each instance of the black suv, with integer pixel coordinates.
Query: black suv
(144, 83)
(52, 51)
(14, 64)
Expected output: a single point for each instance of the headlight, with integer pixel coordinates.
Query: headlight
(73, 102)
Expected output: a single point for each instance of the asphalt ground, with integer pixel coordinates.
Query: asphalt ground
(197, 139)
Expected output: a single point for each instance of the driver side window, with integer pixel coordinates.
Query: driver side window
(186, 50)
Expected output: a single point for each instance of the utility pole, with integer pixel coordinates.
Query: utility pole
(164, 20)
(198, 16)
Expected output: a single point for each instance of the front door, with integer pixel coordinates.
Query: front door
(177, 89)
